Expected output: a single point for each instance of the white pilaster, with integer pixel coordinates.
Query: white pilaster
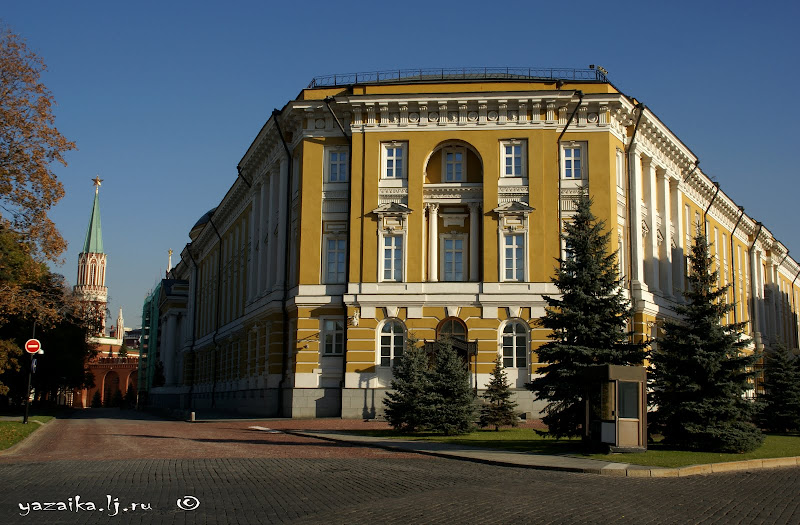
(433, 242)
(268, 244)
(261, 232)
(168, 349)
(637, 250)
(665, 251)
(474, 233)
(280, 266)
(679, 250)
(651, 249)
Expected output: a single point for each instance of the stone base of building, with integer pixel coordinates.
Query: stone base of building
(349, 403)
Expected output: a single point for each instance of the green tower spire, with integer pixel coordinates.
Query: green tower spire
(94, 233)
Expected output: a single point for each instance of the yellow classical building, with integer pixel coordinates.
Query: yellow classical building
(382, 206)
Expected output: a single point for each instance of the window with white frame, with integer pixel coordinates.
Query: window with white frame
(515, 345)
(455, 164)
(620, 170)
(513, 158)
(336, 165)
(393, 258)
(394, 160)
(514, 257)
(573, 161)
(393, 335)
(332, 337)
(335, 252)
(453, 258)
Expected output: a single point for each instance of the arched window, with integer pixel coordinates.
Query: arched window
(453, 328)
(92, 271)
(393, 338)
(515, 345)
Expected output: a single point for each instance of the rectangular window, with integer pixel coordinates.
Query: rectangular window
(393, 258)
(337, 165)
(454, 165)
(513, 158)
(515, 347)
(335, 251)
(394, 161)
(628, 400)
(620, 171)
(332, 337)
(453, 252)
(514, 250)
(573, 165)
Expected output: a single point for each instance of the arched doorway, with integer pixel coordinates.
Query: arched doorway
(110, 386)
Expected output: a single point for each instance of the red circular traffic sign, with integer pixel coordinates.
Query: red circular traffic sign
(32, 346)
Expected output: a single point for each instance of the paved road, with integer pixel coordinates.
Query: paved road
(241, 475)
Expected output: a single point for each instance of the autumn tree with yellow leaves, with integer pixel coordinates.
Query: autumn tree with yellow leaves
(29, 145)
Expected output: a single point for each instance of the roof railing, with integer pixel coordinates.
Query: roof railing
(464, 73)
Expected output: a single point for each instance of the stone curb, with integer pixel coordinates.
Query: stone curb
(612, 469)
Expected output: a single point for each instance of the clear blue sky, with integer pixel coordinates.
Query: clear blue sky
(163, 98)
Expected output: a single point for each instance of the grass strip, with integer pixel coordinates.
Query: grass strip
(657, 455)
(12, 432)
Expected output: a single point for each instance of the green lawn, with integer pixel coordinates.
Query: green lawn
(775, 446)
(12, 432)
(526, 440)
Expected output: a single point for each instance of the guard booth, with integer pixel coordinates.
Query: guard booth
(616, 408)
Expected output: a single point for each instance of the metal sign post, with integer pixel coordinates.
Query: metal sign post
(33, 347)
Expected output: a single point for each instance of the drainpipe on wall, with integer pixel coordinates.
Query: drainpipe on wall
(558, 170)
(754, 320)
(705, 214)
(239, 173)
(632, 207)
(349, 140)
(216, 314)
(286, 261)
(733, 263)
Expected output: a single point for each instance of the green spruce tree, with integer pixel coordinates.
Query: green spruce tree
(499, 408)
(587, 322)
(698, 371)
(780, 404)
(450, 400)
(97, 401)
(130, 397)
(406, 402)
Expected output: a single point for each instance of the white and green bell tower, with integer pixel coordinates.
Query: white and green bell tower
(91, 282)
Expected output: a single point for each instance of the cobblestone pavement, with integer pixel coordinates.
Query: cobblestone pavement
(314, 483)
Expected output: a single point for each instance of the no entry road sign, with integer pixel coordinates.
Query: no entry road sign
(32, 346)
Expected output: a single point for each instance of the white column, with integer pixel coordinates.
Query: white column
(680, 249)
(665, 253)
(757, 313)
(637, 250)
(283, 214)
(433, 242)
(651, 261)
(261, 234)
(258, 350)
(268, 241)
(474, 234)
(168, 349)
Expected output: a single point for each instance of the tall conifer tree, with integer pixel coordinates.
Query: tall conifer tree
(451, 400)
(407, 408)
(699, 374)
(587, 322)
(499, 408)
(780, 407)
